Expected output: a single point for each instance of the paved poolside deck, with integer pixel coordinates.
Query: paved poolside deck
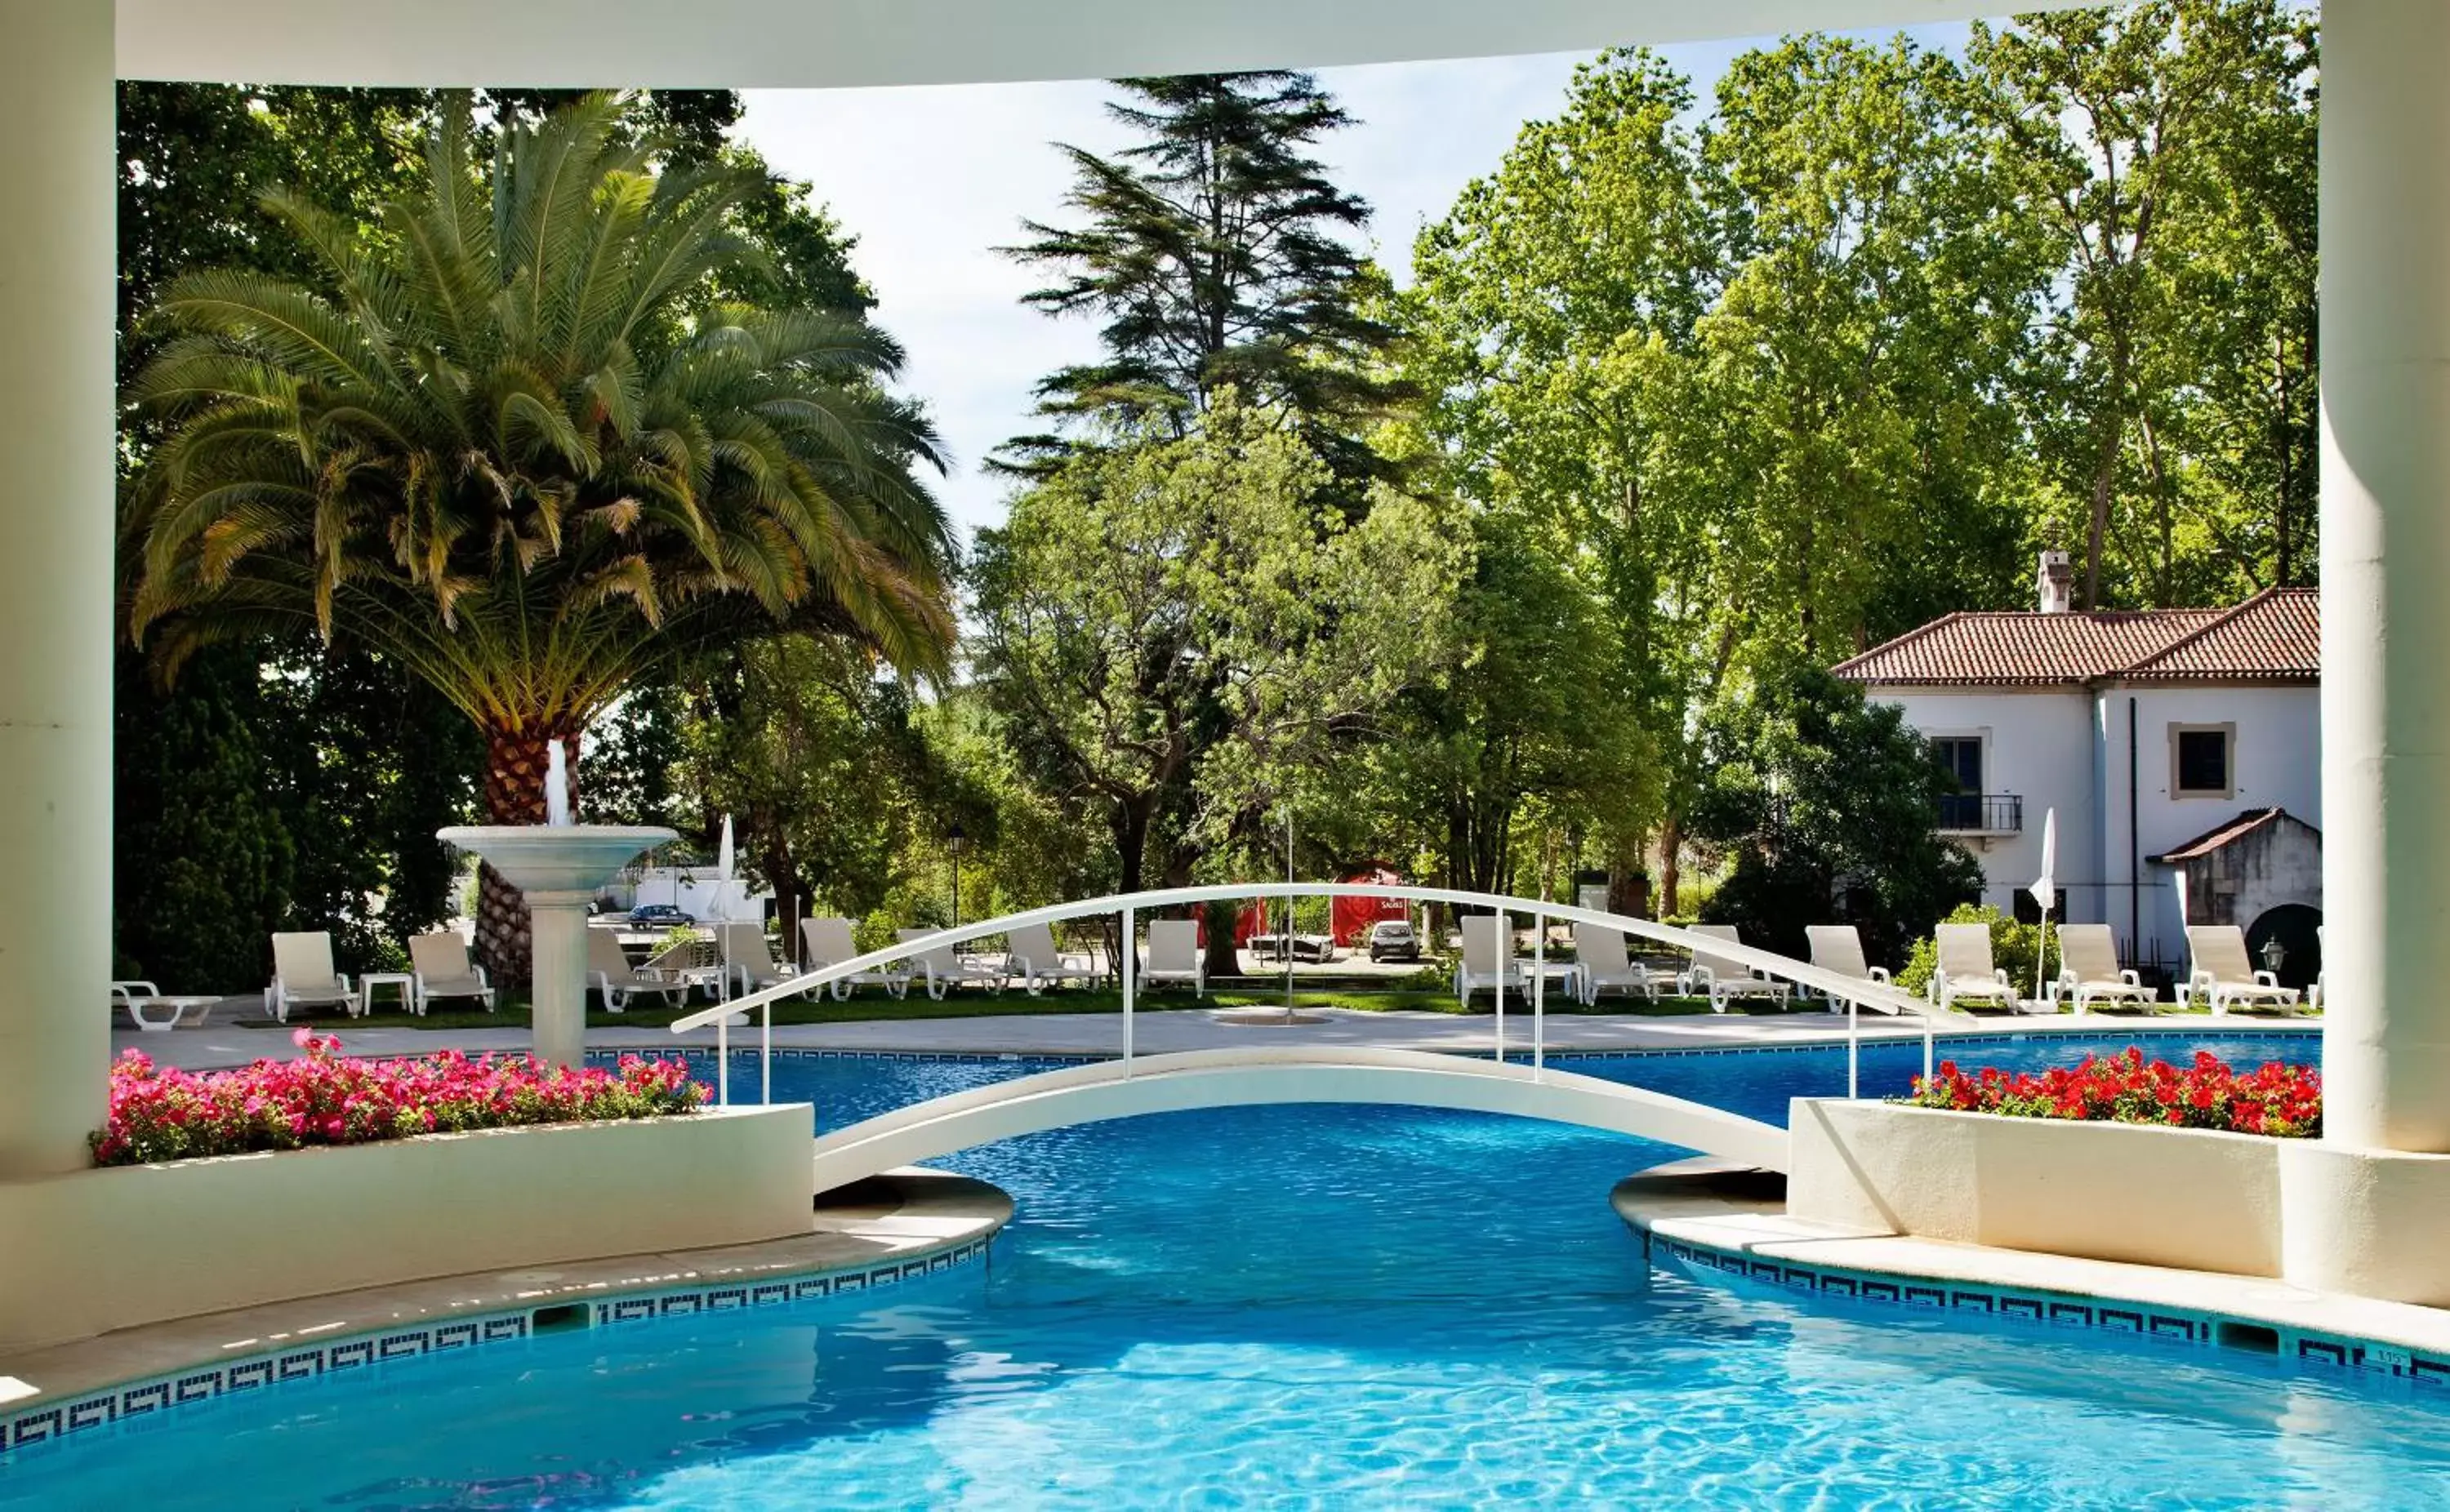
(1739, 1218)
(224, 1044)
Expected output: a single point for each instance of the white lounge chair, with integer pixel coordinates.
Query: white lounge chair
(749, 960)
(1965, 972)
(691, 963)
(2089, 973)
(1032, 957)
(1722, 979)
(1173, 954)
(1839, 948)
(2221, 975)
(827, 942)
(442, 969)
(610, 973)
(1487, 958)
(145, 1004)
(946, 969)
(1601, 954)
(302, 975)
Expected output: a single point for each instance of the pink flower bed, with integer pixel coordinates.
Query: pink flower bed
(325, 1098)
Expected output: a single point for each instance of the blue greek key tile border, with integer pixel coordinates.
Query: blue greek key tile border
(2054, 1310)
(54, 1419)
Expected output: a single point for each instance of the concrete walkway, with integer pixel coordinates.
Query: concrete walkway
(1157, 1033)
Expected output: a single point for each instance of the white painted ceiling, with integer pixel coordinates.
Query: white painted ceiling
(741, 43)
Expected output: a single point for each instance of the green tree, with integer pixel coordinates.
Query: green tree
(1214, 252)
(1856, 436)
(1176, 629)
(1829, 805)
(1553, 312)
(203, 861)
(2168, 148)
(1524, 724)
(491, 441)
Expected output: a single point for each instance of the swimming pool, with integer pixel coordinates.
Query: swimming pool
(1301, 1307)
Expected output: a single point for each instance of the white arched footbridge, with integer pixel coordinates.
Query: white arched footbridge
(1220, 1078)
(1133, 1084)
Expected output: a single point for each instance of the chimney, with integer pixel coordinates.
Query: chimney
(2056, 582)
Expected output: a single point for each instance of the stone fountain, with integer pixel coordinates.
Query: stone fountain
(557, 866)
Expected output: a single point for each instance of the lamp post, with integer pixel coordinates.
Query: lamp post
(955, 841)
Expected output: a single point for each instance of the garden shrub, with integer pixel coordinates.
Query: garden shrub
(2012, 950)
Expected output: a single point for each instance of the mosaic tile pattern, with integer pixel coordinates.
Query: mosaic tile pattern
(2053, 1310)
(52, 1420)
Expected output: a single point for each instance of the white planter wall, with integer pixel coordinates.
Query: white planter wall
(2188, 1198)
(2363, 1223)
(94, 1250)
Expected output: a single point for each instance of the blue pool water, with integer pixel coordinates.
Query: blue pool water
(1300, 1306)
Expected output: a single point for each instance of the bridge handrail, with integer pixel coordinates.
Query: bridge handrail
(1858, 991)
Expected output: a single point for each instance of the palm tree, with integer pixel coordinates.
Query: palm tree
(508, 438)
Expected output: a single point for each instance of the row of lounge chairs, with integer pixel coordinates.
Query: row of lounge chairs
(1964, 976)
(741, 960)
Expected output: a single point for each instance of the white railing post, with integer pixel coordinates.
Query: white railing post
(1539, 995)
(1504, 957)
(766, 1052)
(1926, 1048)
(1854, 1045)
(723, 1061)
(1131, 977)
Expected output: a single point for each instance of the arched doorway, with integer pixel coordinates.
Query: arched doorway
(2297, 927)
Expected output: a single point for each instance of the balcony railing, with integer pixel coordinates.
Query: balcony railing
(1982, 814)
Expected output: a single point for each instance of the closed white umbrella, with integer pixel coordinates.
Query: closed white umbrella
(2046, 890)
(723, 853)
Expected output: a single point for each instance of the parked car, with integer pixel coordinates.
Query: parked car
(1394, 939)
(660, 915)
(1317, 948)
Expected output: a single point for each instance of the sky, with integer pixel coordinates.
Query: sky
(931, 181)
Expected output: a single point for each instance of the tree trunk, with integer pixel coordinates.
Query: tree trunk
(784, 878)
(2097, 528)
(2287, 459)
(517, 763)
(1219, 958)
(1671, 840)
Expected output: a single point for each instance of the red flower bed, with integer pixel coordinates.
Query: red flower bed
(2275, 1099)
(325, 1098)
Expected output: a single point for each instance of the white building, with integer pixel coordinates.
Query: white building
(2162, 738)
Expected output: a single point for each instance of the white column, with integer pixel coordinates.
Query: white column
(557, 1007)
(2385, 282)
(57, 262)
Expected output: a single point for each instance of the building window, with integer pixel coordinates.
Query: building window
(2199, 761)
(1960, 757)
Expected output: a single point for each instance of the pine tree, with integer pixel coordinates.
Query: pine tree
(1214, 252)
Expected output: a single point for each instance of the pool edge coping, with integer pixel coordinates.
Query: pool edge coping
(670, 1284)
(1749, 1242)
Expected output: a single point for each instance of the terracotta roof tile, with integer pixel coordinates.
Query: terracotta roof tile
(2228, 830)
(2274, 635)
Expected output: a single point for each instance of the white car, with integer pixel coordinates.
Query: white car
(1394, 939)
